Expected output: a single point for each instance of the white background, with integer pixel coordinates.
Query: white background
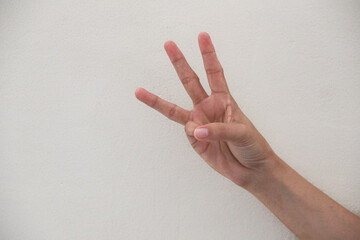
(81, 158)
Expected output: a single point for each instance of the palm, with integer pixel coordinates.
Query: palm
(211, 109)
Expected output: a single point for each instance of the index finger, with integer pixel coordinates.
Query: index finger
(170, 110)
(187, 76)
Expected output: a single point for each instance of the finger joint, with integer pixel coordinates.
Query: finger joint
(214, 71)
(155, 102)
(189, 79)
(172, 112)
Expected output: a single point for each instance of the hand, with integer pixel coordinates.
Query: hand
(216, 127)
(226, 139)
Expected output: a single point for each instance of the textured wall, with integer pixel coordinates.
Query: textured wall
(81, 158)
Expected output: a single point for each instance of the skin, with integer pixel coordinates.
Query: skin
(226, 139)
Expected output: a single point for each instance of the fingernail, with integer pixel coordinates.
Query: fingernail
(201, 132)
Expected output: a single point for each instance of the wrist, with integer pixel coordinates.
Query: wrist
(272, 172)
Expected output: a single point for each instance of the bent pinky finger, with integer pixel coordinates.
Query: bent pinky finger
(170, 110)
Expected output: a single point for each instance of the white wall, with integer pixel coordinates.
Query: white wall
(81, 158)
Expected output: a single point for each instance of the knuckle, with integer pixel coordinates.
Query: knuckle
(213, 71)
(178, 60)
(208, 53)
(155, 102)
(172, 111)
(189, 79)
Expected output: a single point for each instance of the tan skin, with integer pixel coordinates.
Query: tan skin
(230, 159)
(226, 139)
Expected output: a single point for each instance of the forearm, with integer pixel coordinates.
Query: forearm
(226, 139)
(302, 207)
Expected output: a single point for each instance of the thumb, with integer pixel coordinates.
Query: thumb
(233, 132)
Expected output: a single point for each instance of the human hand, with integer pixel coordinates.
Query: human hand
(216, 127)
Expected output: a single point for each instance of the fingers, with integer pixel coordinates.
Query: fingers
(187, 76)
(166, 108)
(233, 132)
(190, 128)
(213, 68)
